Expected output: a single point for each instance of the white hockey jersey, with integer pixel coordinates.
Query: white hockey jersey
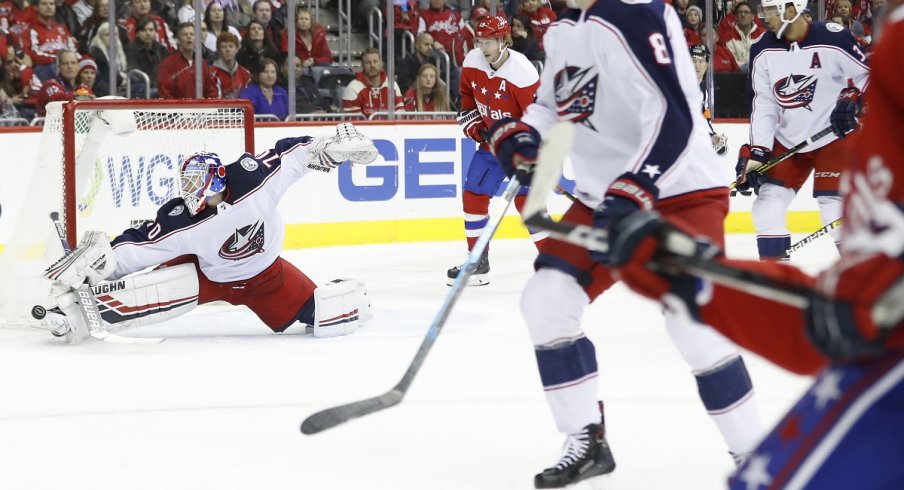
(622, 73)
(235, 240)
(795, 84)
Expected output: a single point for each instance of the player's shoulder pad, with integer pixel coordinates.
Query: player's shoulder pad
(172, 216)
(567, 16)
(630, 17)
(766, 41)
(520, 71)
(834, 35)
(474, 59)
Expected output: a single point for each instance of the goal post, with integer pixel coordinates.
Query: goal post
(107, 164)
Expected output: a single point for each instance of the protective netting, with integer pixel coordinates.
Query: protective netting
(125, 164)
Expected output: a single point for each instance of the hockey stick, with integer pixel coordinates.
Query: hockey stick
(88, 304)
(812, 236)
(556, 145)
(787, 154)
(331, 417)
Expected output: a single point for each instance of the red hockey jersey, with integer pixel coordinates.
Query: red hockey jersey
(44, 40)
(446, 26)
(498, 93)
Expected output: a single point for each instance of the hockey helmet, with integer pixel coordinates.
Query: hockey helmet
(493, 27)
(201, 176)
(700, 51)
(799, 5)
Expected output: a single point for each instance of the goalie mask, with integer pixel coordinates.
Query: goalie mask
(201, 176)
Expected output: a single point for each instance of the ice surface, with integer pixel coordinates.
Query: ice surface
(218, 405)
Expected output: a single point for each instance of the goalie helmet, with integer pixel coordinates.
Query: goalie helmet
(201, 176)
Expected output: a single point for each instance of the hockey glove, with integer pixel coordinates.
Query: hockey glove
(628, 194)
(644, 238)
(472, 125)
(847, 109)
(749, 159)
(516, 146)
(856, 307)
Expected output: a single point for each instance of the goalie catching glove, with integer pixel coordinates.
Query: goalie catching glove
(348, 145)
(93, 260)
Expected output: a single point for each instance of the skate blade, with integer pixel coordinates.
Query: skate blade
(474, 280)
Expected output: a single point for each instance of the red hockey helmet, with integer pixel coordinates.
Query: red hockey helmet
(493, 27)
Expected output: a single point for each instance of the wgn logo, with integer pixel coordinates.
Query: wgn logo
(153, 175)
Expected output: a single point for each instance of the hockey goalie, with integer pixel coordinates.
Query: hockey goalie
(220, 240)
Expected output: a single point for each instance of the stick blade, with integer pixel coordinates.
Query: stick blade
(555, 147)
(331, 417)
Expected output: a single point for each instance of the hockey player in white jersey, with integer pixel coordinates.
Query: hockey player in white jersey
(641, 142)
(220, 240)
(799, 75)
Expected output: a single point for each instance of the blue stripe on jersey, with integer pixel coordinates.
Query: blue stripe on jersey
(560, 367)
(642, 25)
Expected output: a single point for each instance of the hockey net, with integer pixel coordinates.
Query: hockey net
(107, 165)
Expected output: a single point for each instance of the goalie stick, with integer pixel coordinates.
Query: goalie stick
(331, 417)
(556, 145)
(787, 154)
(812, 236)
(87, 304)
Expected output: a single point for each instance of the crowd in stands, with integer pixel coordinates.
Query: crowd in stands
(47, 45)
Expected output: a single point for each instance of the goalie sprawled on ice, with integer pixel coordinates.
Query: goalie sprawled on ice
(221, 240)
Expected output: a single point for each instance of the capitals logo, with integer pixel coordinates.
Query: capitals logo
(576, 94)
(795, 91)
(245, 242)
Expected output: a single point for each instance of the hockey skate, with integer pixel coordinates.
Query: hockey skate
(586, 455)
(478, 278)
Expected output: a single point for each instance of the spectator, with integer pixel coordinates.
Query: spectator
(369, 91)
(215, 21)
(745, 33)
(17, 81)
(231, 76)
(723, 60)
(89, 27)
(429, 93)
(263, 14)
(446, 26)
(423, 53)
(62, 86)
(310, 41)
(843, 10)
(209, 55)
(238, 13)
(681, 8)
(693, 25)
(523, 40)
(45, 38)
(145, 53)
(307, 97)
(142, 8)
(265, 95)
(470, 30)
(87, 73)
(256, 44)
(186, 12)
(728, 23)
(83, 9)
(66, 16)
(98, 49)
(15, 17)
(540, 15)
(176, 75)
(405, 14)
(869, 24)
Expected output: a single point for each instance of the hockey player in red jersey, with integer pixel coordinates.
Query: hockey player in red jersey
(796, 73)
(221, 240)
(846, 431)
(496, 82)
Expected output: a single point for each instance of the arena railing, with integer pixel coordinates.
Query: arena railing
(414, 116)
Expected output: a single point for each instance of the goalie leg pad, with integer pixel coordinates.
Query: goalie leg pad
(148, 298)
(337, 307)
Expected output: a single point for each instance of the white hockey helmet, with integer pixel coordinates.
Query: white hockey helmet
(799, 6)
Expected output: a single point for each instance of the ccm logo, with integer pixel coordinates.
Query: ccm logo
(828, 175)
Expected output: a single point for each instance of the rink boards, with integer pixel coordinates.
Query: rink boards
(411, 193)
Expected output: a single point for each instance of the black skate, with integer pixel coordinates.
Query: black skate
(586, 455)
(478, 278)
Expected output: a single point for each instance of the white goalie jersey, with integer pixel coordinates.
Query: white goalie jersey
(236, 240)
(622, 73)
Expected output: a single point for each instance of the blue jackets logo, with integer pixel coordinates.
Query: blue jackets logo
(795, 91)
(576, 94)
(245, 242)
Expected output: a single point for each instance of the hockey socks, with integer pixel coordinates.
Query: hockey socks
(725, 391)
(569, 373)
